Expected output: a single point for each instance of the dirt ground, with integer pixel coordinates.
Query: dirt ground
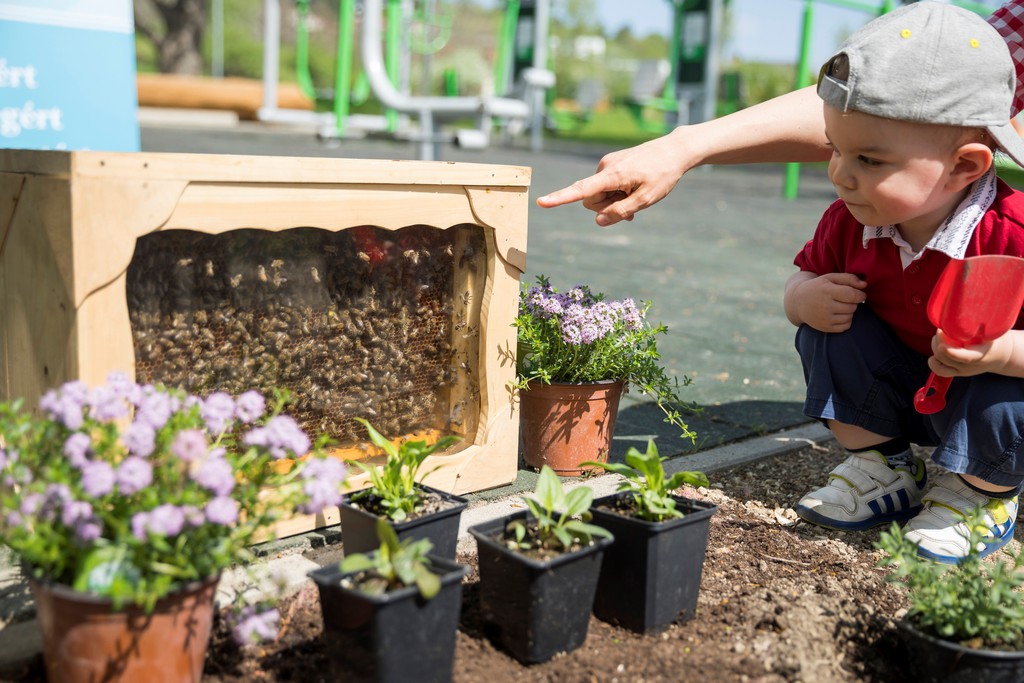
(779, 601)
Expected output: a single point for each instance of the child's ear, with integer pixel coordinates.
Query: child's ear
(970, 161)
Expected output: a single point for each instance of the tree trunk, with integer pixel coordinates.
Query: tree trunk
(179, 43)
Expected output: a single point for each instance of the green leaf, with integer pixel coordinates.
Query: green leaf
(578, 500)
(549, 488)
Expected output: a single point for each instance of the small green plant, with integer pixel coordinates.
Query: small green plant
(645, 478)
(561, 518)
(394, 565)
(974, 601)
(394, 483)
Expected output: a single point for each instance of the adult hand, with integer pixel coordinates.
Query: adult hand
(627, 181)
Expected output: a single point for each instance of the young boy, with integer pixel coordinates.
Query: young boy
(914, 103)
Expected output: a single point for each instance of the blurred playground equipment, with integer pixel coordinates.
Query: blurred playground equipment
(385, 56)
(685, 89)
(804, 67)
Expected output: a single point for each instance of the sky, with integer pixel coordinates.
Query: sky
(762, 30)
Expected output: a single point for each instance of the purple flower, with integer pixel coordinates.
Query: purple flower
(154, 408)
(218, 410)
(280, 436)
(30, 504)
(76, 449)
(140, 439)
(97, 478)
(88, 530)
(133, 475)
(106, 405)
(55, 497)
(75, 510)
(323, 479)
(193, 516)
(121, 384)
(166, 520)
(222, 510)
(66, 406)
(14, 518)
(250, 406)
(140, 522)
(253, 627)
(217, 475)
(190, 445)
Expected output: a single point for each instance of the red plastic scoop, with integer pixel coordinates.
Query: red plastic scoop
(976, 299)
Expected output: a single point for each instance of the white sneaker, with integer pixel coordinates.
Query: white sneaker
(940, 531)
(863, 491)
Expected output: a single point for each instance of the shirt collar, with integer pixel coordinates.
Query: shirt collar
(953, 235)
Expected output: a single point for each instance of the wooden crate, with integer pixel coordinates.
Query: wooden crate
(70, 222)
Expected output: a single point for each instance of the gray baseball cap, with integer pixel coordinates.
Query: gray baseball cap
(928, 63)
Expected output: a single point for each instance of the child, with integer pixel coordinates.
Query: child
(914, 102)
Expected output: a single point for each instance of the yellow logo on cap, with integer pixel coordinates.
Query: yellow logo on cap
(974, 42)
(905, 33)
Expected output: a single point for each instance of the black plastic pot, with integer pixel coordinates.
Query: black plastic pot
(534, 609)
(359, 527)
(934, 660)
(396, 637)
(650, 576)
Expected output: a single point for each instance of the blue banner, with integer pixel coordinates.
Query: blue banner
(67, 75)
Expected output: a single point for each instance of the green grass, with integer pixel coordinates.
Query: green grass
(616, 127)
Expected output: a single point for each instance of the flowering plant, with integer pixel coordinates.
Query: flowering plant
(578, 336)
(130, 491)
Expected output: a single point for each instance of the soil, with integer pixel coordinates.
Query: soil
(780, 600)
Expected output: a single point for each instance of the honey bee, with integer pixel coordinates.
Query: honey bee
(261, 273)
(184, 262)
(209, 268)
(466, 298)
(315, 274)
(236, 280)
(412, 255)
(276, 263)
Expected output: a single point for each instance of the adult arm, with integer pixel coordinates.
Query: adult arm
(786, 128)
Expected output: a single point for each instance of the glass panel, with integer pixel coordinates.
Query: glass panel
(364, 322)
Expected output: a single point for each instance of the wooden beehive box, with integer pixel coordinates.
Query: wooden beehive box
(368, 288)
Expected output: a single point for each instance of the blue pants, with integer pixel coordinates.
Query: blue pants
(867, 377)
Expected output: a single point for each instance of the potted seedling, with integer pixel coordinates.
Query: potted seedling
(538, 571)
(396, 494)
(392, 614)
(650, 576)
(966, 621)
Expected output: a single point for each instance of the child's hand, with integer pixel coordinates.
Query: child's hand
(825, 302)
(966, 361)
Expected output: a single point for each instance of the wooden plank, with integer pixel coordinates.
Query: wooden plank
(248, 169)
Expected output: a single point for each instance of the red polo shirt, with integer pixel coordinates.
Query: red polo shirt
(900, 296)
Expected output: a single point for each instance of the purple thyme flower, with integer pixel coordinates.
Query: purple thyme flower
(166, 520)
(280, 436)
(106, 405)
(250, 406)
(323, 479)
(193, 516)
(30, 504)
(218, 410)
(254, 627)
(88, 530)
(190, 445)
(216, 475)
(222, 510)
(133, 475)
(76, 449)
(140, 438)
(55, 497)
(97, 478)
(122, 385)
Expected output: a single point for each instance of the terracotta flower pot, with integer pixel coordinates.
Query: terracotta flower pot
(85, 640)
(563, 425)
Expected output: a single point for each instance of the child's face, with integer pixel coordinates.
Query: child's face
(890, 172)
